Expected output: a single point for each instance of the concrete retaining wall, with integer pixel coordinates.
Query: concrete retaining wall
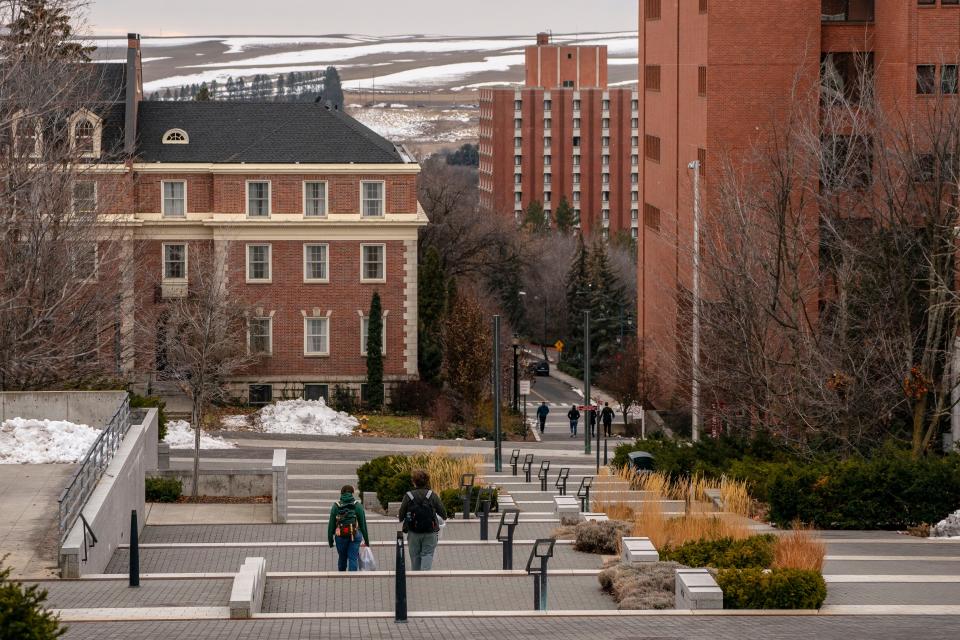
(236, 483)
(92, 408)
(120, 491)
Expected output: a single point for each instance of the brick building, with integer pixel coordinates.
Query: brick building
(717, 74)
(313, 212)
(564, 134)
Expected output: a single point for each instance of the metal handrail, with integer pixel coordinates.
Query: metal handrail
(84, 480)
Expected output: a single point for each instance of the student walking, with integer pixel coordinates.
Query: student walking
(574, 417)
(418, 513)
(347, 529)
(606, 416)
(542, 411)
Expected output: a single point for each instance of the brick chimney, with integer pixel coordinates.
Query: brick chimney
(134, 92)
(543, 38)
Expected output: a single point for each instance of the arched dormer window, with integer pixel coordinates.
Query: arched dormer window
(176, 136)
(86, 130)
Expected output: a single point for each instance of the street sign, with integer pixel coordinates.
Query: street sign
(524, 387)
(587, 408)
(559, 345)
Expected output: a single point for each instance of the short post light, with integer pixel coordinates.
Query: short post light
(542, 551)
(508, 522)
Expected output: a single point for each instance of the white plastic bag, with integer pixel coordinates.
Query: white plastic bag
(368, 562)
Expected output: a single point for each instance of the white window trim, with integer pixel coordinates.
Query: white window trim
(383, 193)
(383, 338)
(269, 352)
(363, 277)
(166, 137)
(246, 198)
(95, 276)
(96, 196)
(326, 269)
(306, 351)
(186, 262)
(269, 262)
(94, 119)
(19, 119)
(163, 199)
(326, 199)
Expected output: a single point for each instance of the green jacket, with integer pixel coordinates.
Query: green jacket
(347, 498)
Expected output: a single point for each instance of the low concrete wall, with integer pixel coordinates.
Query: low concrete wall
(92, 408)
(235, 483)
(120, 491)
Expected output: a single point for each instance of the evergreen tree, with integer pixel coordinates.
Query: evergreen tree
(332, 89)
(231, 89)
(22, 612)
(281, 88)
(168, 94)
(292, 83)
(432, 304)
(535, 219)
(203, 95)
(468, 155)
(154, 97)
(241, 89)
(564, 217)
(42, 31)
(375, 354)
(578, 301)
(607, 301)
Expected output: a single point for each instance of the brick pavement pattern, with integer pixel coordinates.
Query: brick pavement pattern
(86, 594)
(894, 594)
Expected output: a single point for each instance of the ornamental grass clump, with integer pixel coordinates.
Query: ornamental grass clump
(799, 549)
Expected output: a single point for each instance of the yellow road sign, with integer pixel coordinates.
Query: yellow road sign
(559, 345)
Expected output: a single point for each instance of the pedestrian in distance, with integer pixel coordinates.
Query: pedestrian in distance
(574, 417)
(419, 513)
(542, 411)
(606, 416)
(347, 530)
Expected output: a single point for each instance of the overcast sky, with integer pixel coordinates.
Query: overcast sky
(374, 17)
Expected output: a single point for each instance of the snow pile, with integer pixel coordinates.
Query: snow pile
(307, 417)
(180, 436)
(419, 124)
(24, 441)
(235, 422)
(949, 527)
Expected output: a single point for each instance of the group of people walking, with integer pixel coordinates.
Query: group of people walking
(421, 512)
(606, 416)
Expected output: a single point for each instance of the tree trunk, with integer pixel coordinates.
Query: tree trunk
(919, 412)
(195, 416)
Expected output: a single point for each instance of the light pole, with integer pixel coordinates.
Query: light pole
(497, 453)
(695, 386)
(586, 380)
(516, 377)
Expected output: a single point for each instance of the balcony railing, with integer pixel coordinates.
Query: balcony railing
(847, 10)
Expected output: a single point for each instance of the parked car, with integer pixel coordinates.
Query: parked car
(541, 368)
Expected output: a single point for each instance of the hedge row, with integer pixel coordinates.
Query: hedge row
(380, 476)
(774, 589)
(163, 489)
(755, 552)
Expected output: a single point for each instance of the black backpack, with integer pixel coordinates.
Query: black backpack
(421, 516)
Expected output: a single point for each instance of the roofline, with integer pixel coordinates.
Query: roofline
(245, 168)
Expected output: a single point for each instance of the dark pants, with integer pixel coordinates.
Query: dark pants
(607, 429)
(348, 553)
(543, 424)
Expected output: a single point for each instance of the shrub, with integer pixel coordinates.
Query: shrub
(152, 402)
(413, 397)
(389, 476)
(601, 537)
(163, 489)
(453, 501)
(22, 614)
(344, 399)
(725, 553)
(648, 586)
(776, 589)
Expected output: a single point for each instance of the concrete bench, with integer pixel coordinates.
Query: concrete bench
(696, 589)
(638, 551)
(568, 508)
(279, 468)
(246, 596)
(714, 496)
(595, 517)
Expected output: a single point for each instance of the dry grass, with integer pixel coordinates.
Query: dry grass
(693, 491)
(799, 549)
(674, 531)
(445, 469)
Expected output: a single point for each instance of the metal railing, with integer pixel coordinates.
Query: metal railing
(84, 480)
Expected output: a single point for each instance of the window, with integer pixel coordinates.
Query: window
(258, 199)
(576, 178)
(27, 135)
(651, 147)
(634, 214)
(703, 6)
(701, 81)
(83, 136)
(576, 105)
(605, 105)
(605, 123)
(315, 263)
(260, 332)
(259, 395)
(605, 160)
(576, 141)
(517, 142)
(576, 161)
(372, 199)
(605, 178)
(316, 336)
(547, 179)
(634, 105)
(517, 179)
(576, 196)
(568, 84)
(844, 76)
(634, 160)
(926, 78)
(314, 199)
(176, 136)
(605, 196)
(83, 260)
(651, 77)
(174, 198)
(634, 178)
(635, 141)
(174, 262)
(258, 263)
(651, 217)
(316, 392)
(517, 105)
(85, 197)
(605, 141)
(372, 262)
(948, 79)
(576, 123)
(547, 105)
(365, 327)
(517, 161)
(547, 143)
(547, 160)
(547, 123)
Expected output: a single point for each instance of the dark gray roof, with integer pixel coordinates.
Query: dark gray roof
(253, 132)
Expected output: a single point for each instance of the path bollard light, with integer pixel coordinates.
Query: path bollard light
(605, 459)
(466, 491)
(584, 493)
(528, 465)
(482, 509)
(400, 612)
(508, 520)
(514, 458)
(542, 550)
(562, 480)
(134, 550)
(543, 474)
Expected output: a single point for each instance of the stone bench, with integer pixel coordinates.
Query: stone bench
(568, 508)
(714, 496)
(696, 589)
(595, 517)
(636, 551)
(246, 596)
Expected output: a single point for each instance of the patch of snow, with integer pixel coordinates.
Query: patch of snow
(480, 85)
(949, 527)
(147, 43)
(407, 124)
(28, 441)
(577, 391)
(447, 72)
(235, 422)
(240, 45)
(306, 417)
(180, 435)
(145, 60)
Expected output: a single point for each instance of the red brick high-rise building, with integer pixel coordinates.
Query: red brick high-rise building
(715, 77)
(564, 134)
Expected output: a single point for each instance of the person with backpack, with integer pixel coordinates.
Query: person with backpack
(418, 513)
(606, 416)
(347, 529)
(574, 417)
(542, 411)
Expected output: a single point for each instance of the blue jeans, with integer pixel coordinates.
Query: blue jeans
(348, 553)
(573, 426)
